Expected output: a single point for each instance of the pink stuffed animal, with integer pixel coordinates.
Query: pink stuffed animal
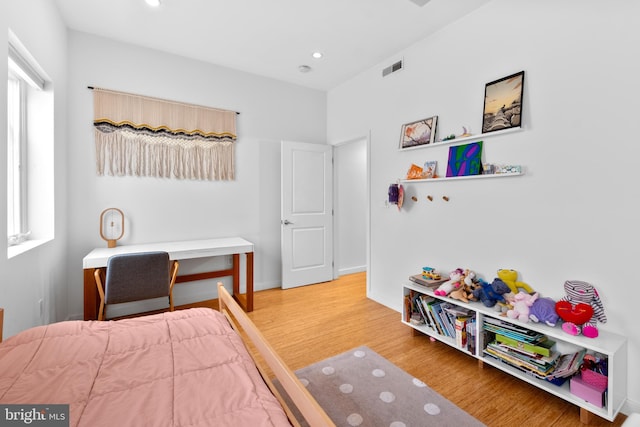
(454, 282)
(521, 303)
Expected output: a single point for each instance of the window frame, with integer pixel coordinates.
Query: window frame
(17, 182)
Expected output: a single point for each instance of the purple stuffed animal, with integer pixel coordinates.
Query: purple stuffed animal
(544, 310)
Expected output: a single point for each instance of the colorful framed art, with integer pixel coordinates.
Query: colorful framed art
(465, 160)
(420, 132)
(503, 103)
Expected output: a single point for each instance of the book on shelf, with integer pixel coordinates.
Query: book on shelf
(513, 331)
(429, 283)
(499, 353)
(471, 335)
(461, 331)
(425, 300)
(568, 364)
(542, 346)
(408, 309)
(435, 309)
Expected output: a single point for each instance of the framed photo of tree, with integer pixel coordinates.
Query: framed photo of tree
(503, 103)
(420, 132)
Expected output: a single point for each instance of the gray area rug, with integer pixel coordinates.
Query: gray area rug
(362, 388)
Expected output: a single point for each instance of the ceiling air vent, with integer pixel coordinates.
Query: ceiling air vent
(393, 68)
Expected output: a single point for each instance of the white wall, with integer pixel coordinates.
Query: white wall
(169, 209)
(574, 214)
(351, 209)
(37, 274)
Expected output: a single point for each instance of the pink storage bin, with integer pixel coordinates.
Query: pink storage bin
(595, 379)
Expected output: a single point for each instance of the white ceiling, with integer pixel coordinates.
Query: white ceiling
(272, 38)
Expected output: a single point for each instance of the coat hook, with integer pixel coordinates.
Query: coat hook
(445, 198)
(430, 197)
(414, 198)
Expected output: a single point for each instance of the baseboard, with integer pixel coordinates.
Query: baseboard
(351, 270)
(630, 407)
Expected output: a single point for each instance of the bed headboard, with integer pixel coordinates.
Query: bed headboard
(1, 322)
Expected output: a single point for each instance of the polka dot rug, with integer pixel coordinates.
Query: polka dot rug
(362, 388)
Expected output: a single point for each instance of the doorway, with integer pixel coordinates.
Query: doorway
(351, 204)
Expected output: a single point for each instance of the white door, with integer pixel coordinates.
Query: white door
(307, 214)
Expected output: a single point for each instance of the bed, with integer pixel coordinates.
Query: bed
(183, 368)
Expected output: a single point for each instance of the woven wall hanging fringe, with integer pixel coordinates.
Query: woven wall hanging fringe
(141, 136)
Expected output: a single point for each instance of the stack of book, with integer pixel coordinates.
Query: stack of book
(420, 279)
(444, 318)
(522, 348)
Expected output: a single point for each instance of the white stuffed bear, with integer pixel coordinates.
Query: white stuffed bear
(454, 282)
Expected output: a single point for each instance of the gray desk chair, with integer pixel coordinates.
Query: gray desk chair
(136, 277)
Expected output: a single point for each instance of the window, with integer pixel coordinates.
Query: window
(29, 149)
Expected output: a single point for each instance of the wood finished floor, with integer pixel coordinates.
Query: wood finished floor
(311, 323)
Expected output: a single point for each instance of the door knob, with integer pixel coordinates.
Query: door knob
(287, 222)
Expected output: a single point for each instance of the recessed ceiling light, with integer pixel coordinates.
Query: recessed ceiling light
(304, 68)
(153, 3)
(317, 55)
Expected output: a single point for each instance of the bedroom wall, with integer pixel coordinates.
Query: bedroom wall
(168, 209)
(574, 214)
(37, 274)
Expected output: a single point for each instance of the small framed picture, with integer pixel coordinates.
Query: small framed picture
(503, 103)
(429, 169)
(420, 132)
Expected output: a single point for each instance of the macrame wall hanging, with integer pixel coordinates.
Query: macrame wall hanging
(141, 136)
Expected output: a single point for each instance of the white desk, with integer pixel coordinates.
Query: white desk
(235, 246)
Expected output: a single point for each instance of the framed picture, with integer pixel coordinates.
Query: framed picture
(465, 159)
(420, 132)
(503, 103)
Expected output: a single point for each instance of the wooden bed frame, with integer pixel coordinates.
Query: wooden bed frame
(297, 392)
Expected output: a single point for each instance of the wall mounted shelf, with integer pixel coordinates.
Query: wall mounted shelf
(465, 138)
(458, 178)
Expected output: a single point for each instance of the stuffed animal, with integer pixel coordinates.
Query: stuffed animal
(465, 292)
(521, 306)
(454, 282)
(510, 277)
(580, 309)
(491, 293)
(544, 310)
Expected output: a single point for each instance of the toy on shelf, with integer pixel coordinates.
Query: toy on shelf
(491, 293)
(430, 273)
(465, 132)
(465, 292)
(580, 309)
(544, 310)
(454, 282)
(522, 303)
(510, 278)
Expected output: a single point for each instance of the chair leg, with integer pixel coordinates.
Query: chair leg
(101, 313)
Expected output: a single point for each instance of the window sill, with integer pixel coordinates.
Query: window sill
(13, 251)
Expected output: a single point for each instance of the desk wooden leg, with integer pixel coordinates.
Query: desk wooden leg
(236, 274)
(248, 296)
(249, 281)
(91, 299)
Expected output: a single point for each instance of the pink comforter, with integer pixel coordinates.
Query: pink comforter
(185, 368)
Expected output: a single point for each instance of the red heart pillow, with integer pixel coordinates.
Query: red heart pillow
(580, 314)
